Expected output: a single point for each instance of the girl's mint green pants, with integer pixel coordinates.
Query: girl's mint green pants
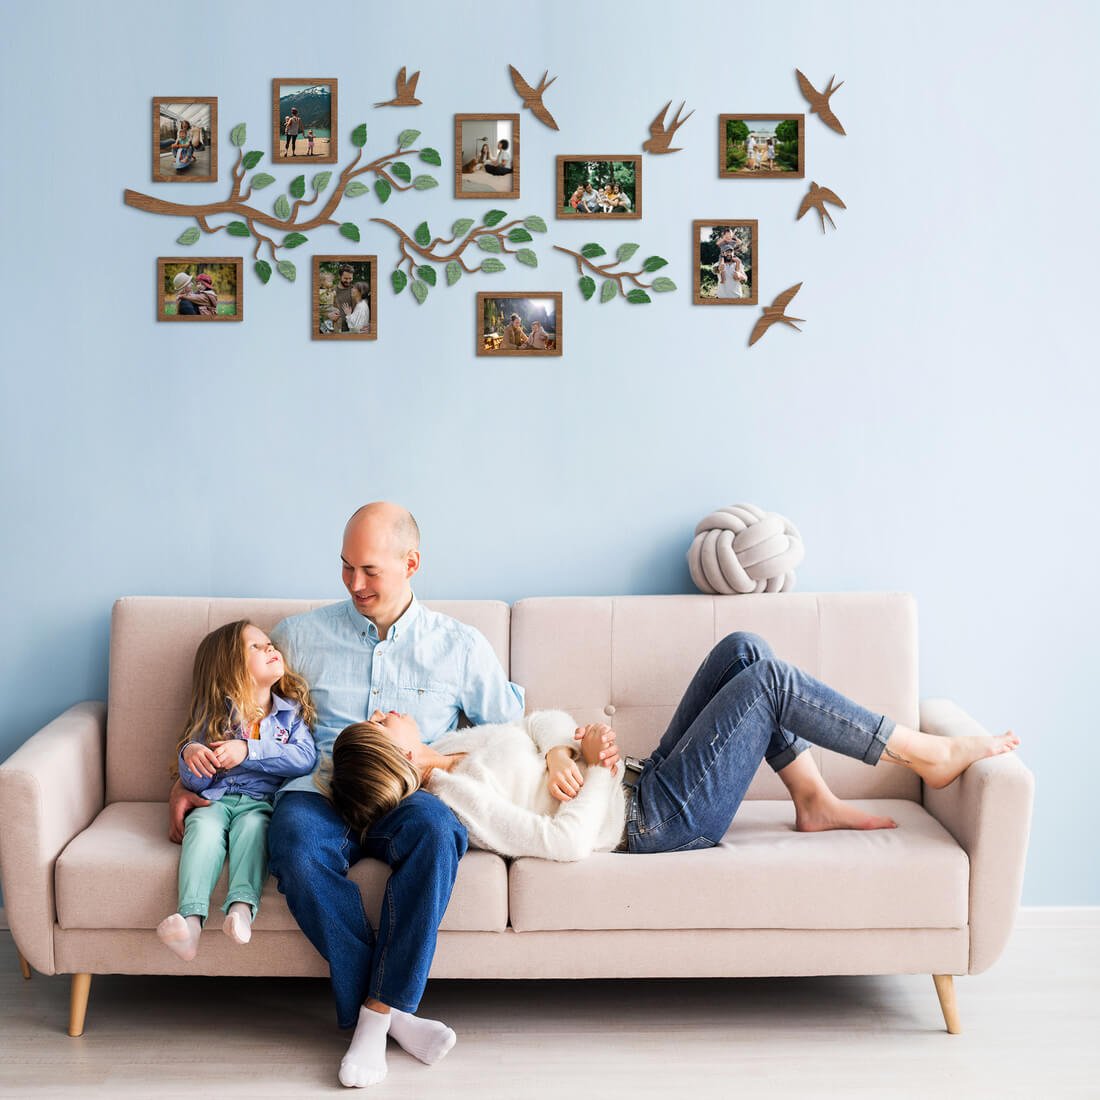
(235, 822)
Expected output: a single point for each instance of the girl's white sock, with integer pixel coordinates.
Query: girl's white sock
(365, 1062)
(238, 922)
(428, 1040)
(180, 935)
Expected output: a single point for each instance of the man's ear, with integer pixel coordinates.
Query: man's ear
(412, 563)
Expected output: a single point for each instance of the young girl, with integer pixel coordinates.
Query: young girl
(309, 143)
(242, 739)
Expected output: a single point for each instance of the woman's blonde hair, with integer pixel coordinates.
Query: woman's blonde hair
(222, 699)
(367, 776)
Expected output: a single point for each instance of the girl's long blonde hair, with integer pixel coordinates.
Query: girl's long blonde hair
(222, 699)
(367, 776)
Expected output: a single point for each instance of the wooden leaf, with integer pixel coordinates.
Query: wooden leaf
(419, 290)
(237, 229)
(425, 183)
(282, 207)
(519, 235)
(492, 265)
(297, 187)
(287, 270)
(382, 189)
(251, 159)
(261, 180)
(535, 224)
(427, 274)
(263, 270)
(588, 286)
(653, 263)
(236, 135)
(359, 135)
(402, 171)
(431, 156)
(188, 236)
(526, 256)
(462, 227)
(662, 284)
(494, 217)
(422, 235)
(625, 251)
(488, 243)
(638, 297)
(453, 272)
(292, 240)
(399, 280)
(591, 251)
(608, 291)
(356, 188)
(406, 138)
(350, 230)
(320, 181)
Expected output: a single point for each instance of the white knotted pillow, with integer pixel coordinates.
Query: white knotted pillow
(742, 549)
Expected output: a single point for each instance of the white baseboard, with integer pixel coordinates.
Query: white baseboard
(1058, 916)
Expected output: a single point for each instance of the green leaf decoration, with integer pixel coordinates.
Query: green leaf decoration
(425, 183)
(420, 291)
(402, 171)
(350, 230)
(237, 229)
(261, 180)
(251, 159)
(526, 256)
(492, 265)
(292, 240)
(406, 138)
(236, 135)
(188, 236)
(625, 251)
(591, 251)
(320, 181)
(430, 156)
(359, 135)
(535, 224)
(297, 187)
(427, 274)
(519, 235)
(652, 263)
(462, 227)
(488, 243)
(287, 270)
(399, 280)
(638, 297)
(494, 217)
(356, 188)
(422, 235)
(662, 284)
(382, 189)
(263, 270)
(608, 291)
(453, 272)
(588, 286)
(282, 207)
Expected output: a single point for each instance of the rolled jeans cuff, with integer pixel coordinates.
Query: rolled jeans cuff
(878, 740)
(781, 759)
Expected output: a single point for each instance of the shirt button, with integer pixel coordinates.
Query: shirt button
(609, 710)
(374, 691)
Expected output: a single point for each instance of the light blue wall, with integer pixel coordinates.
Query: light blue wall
(933, 429)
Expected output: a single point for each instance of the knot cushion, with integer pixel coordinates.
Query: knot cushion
(742, 549)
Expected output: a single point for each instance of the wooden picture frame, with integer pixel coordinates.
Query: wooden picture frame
(563, 207)
(165, 262)
(726, 173)
(170, 107)
(490, 194)
(482, 332)
(701, 225)
(371, 333)
(278, 144)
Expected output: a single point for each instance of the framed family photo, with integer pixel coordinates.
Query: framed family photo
(345, 298)
(303, 121)
(199, 289)
(185, 139)
(526, 323)
(486, 156)
(724, 260)
(599, 187)
(762, 147)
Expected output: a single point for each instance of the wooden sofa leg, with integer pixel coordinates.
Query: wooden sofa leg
(945, 989)
(24, 966)
(78, 1003)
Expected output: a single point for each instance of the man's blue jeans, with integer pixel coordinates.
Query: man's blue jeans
(743, 706)
(311, 849)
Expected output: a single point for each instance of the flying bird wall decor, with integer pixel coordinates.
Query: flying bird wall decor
(815, 199)
(406, 91)
(532, 97)
(776, 312)
(660, 137)
(819, 101)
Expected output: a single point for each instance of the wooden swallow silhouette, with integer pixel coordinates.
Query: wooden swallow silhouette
(659, 137)
(406, 91)
(819, 101)
(532, 97)
(775, 312)
(815, 199)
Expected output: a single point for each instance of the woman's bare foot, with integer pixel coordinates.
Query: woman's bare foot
(821, 812)
(941, 760)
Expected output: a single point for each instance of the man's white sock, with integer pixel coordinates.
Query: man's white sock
(238, 922)
(181, 935)
(365, 1062)
(428, 1040)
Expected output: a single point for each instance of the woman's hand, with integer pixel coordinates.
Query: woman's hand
(230, 753)
(181, 802)
(598, 746)
(200, 759)
(563, 778)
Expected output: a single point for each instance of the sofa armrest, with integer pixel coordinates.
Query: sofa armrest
(988, 811)
(51, 788)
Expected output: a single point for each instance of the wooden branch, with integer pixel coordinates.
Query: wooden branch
(427, 252)
(605, 272)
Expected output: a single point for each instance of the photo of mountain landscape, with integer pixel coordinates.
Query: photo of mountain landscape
(303, 120)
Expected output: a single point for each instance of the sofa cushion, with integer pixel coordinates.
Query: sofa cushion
(762, 875)
(121, 872)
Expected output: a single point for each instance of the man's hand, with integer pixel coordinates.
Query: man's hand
(563, 779)
(229, 754)
(180, 802)
(598, 746)
(201, 759)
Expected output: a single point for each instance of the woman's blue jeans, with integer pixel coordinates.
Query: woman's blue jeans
(311, 849)
(744, 705)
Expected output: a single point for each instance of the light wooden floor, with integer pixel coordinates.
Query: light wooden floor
(1031, 1028)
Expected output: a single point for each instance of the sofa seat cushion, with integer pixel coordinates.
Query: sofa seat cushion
(762, 875)
(121, 872)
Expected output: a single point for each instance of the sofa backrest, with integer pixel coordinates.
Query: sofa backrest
(626, 660)
(153, 642)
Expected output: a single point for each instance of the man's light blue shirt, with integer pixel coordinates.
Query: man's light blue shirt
(430, 666)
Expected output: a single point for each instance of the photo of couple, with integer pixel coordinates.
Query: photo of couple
(725, 268)
(486, 156)
(599, 187)
(344, 297)
(519, 326)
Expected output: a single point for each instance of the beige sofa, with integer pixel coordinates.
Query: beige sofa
(88, 870)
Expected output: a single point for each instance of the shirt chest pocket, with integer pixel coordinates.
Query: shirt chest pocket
(428, 690)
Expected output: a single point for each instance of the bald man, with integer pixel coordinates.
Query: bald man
(379, 650)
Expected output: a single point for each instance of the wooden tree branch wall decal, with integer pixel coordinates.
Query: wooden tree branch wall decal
(613, 283)
(489, 236)
(532, 97)
(406, 91)
(660, 137)
(819, 101)
(777, 312)
(390, 171)
(815, 199)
